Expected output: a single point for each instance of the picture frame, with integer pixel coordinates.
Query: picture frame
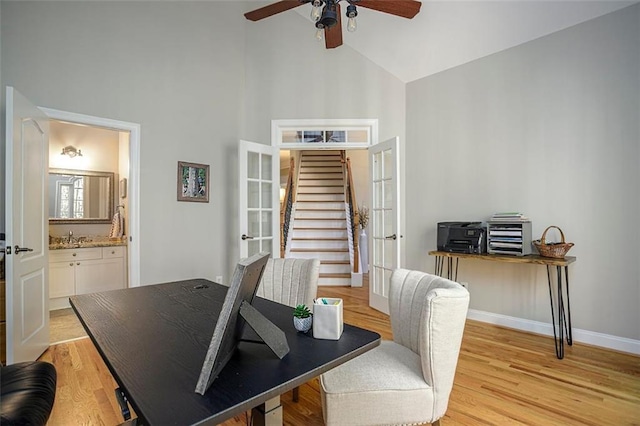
(193, 182)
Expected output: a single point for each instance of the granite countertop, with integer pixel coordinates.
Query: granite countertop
(60, 243)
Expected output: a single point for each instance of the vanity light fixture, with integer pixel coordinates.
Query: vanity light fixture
(71, 151)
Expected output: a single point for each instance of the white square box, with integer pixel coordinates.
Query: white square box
(327, 318)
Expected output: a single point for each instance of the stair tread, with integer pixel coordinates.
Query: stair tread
(318, 239)
(335, 262)
(320, 229)
(317, 218)
(318, 210)
(319, 250)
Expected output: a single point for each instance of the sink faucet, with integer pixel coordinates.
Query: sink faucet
(70, 237)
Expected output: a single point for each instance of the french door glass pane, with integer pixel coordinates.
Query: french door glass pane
(254, 223)
(253, 195)
(253, 165)
(266, 195)
(267, 230)
(388, 164)
(377, 166)
(254, 247)
(267, 165)
(388, 194)
(267, 244)
(378, 195)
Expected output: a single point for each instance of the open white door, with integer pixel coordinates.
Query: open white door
(259, 194)
(385, 233)
(27, 274)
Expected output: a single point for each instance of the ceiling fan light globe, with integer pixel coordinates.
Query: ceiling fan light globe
(352, 25)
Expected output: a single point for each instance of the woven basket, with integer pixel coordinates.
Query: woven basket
(555, 250)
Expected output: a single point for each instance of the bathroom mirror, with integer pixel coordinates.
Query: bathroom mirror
(80, 196)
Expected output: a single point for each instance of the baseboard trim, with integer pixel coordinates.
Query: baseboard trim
(608, 341)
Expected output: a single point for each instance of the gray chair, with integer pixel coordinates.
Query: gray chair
(291, 282)
(407, 380)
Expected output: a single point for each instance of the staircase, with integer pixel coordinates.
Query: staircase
(319, 220)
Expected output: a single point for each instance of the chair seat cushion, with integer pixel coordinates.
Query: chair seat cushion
(28, 392)
(382, 386)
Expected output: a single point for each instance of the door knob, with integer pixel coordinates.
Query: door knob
(391, 237)
(19, 249)
(246, 237)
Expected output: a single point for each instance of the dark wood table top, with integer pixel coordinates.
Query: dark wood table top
(154, 340)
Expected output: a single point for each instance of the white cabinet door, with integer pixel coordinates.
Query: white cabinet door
(99, 275)
(61, 279)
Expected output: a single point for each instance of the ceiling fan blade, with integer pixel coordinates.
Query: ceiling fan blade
(272, 9)
(333, 35)
(404, 8)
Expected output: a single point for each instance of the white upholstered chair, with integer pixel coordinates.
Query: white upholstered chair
(291, 282)
(407, 380)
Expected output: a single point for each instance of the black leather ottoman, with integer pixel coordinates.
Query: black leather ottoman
(28, 391)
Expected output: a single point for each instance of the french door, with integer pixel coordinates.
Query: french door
(385, 234)
(259, 199)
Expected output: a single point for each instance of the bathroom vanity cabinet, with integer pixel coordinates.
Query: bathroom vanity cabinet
(85, 270)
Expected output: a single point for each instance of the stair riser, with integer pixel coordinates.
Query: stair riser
(333, 224)
(304, 163)
(321, 157)
(334, 269)
(306, 175)
(331, 169)
(334, 282)
(320, 214)
(319, 197)
(320, 182)
(320, 233)
(301, 204)
(312, 190)
(319, 244)
(328, 255)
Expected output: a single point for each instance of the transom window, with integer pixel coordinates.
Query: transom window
(341, 134)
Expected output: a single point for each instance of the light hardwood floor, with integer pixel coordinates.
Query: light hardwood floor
(503, 377)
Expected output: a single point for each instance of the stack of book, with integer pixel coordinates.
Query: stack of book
(509, 216)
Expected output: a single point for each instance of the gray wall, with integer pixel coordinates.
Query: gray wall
(550, 128)
(197, 76)
(174, 67)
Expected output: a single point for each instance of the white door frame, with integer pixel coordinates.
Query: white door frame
(133, 246)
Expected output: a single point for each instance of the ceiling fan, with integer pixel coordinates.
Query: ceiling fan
(326, 14)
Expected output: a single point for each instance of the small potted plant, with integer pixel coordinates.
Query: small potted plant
(302, 318)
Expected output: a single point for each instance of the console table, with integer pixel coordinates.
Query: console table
(564, 316)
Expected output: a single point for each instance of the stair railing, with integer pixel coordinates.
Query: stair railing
(352, 211)
(286, 209)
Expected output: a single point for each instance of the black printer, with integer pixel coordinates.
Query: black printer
(462, 237)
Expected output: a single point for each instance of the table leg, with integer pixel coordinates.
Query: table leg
(564, 326)
(268, 414)
(569, 333)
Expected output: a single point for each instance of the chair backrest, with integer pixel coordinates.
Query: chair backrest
(290, 281)
(428, 315)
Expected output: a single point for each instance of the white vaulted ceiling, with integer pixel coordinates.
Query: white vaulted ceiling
(449, 33)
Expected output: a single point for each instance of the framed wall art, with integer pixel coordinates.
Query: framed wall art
(193, 182)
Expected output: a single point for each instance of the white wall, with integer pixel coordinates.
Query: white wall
(550, 128)
(176, 68)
